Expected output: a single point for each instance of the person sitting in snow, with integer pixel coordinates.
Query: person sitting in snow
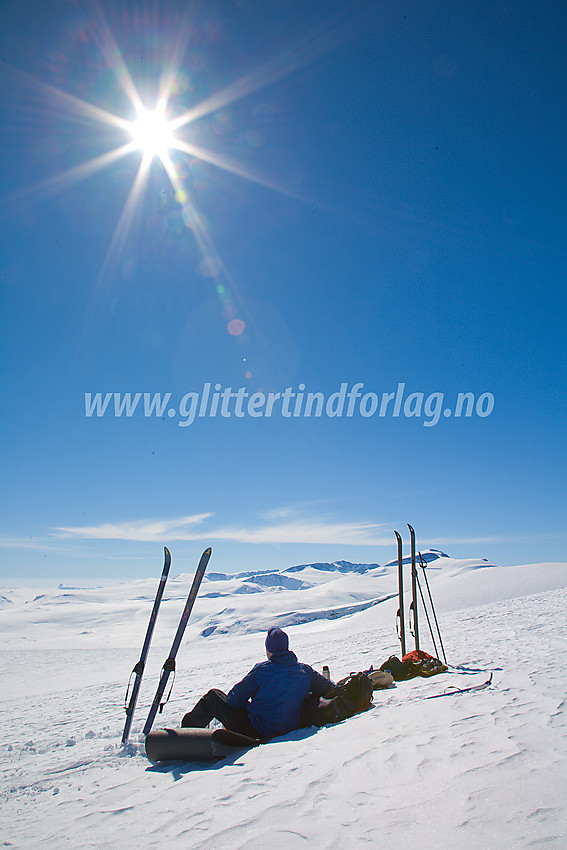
(268, 701)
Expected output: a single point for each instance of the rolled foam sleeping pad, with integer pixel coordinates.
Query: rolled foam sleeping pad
(195, 744)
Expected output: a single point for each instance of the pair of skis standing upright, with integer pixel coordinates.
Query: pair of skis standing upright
(169, 665)
(413, 609)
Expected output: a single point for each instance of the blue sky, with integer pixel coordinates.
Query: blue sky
(364, 194)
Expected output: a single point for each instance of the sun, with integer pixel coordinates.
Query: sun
(158, 134)
(152, 133)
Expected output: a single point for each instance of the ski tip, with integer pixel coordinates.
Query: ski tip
(411, 529)
(208, 551)
(398, 535)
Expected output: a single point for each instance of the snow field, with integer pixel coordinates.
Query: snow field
(479, 770)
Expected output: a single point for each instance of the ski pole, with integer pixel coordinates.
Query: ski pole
(427, 617)
(422, 564)
(454, 691)
(413, 606)
(400, 620)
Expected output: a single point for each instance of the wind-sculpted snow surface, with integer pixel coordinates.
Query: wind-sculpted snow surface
(482, 769)
(256, 623)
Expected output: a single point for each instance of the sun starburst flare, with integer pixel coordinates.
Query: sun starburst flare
(152, 133)
(158, 130)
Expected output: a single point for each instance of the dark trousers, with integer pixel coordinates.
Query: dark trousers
(214, 704)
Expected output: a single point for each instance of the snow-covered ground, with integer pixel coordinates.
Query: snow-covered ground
(485, 769)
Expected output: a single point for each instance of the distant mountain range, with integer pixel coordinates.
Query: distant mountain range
(275, 578)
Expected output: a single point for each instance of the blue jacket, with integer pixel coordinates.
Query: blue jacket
(277, 689)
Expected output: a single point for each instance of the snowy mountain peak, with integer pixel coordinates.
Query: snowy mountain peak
(427, 555)
(336, 566)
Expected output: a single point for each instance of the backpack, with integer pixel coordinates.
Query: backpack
(399, 671)
(425, 664)
(415, 663)
(350, 696)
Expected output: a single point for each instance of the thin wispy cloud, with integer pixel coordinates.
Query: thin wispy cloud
(307, 531)
(280, 526)
(275, 527)
(144, 530)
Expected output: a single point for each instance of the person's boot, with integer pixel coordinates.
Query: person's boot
(198, 717)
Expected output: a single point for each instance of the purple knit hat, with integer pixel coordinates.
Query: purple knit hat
(276, 641)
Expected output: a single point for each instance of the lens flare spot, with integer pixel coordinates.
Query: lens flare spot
(235, 327)
(181, 196)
